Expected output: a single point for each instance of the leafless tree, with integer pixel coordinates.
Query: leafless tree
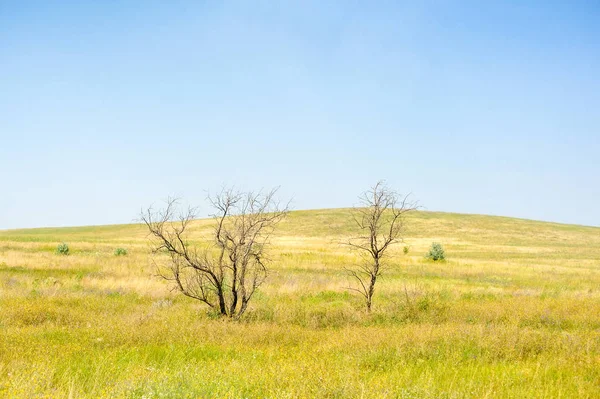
(380, 219)
(226, 273)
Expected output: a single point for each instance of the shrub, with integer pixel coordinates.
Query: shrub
(62, 249)
(405, 250)
(120, 252)
(436, 252)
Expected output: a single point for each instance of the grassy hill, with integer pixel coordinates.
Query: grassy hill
(514, 312)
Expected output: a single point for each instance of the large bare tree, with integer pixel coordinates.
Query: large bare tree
(380, 219)
(226, 273)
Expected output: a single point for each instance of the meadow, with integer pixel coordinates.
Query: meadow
(514, 312)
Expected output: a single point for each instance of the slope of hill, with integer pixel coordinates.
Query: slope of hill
(514, 312)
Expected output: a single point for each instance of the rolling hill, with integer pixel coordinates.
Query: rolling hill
(513, 312)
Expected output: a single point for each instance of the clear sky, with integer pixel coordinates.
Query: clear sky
(478, 107)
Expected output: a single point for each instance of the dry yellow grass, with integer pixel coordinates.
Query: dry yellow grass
(514, 312)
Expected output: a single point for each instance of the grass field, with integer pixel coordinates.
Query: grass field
(514, 312)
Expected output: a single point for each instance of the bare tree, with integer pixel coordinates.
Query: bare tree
(225, 274)
(380, 219)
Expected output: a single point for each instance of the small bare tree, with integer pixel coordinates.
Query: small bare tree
(380, 219)
(226, 274)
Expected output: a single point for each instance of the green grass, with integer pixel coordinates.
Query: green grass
(513, 312)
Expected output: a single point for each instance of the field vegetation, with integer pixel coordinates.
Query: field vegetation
(513, 311)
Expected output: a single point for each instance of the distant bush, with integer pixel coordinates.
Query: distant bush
(405, 250)
(120, 252)
(62, 249)
(436, 252)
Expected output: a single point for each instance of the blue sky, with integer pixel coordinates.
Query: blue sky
(475, 107)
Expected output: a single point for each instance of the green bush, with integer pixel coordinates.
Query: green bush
(120, 252)
(436, 252)
(62, 249)
(405, 250)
